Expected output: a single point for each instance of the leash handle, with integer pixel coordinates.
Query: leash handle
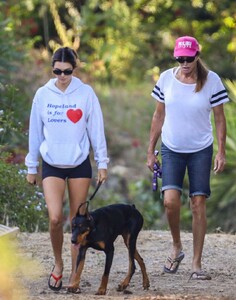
(157, 173)
(94, 193)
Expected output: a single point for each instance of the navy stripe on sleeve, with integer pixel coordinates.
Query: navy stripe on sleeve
(219, 96)
(158, 93)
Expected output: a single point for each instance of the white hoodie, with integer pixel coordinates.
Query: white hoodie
(62, 125)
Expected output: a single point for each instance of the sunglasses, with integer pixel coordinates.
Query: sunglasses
(65, 72)
(182, 59)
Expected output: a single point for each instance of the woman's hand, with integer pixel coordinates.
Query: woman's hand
(219, 163)
(31, 178)
(102, 175)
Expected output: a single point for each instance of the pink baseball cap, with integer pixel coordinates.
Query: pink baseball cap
(186, 46)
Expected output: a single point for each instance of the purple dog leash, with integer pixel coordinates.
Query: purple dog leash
(157, 173)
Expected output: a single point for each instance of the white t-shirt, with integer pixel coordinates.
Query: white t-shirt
(187, 125)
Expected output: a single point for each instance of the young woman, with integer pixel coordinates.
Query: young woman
(66, 119)
(185, 96)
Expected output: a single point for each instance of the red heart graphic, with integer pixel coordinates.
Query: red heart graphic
(74, 115)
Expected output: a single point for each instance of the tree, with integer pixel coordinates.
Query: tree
(119, 40)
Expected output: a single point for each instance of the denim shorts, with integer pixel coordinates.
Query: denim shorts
(82, 171)
(198, 165)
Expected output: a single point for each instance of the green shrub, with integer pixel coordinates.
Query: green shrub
(21, 204)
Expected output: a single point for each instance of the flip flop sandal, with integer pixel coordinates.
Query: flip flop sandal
(56, 278)
(199, 276)
(174, 263)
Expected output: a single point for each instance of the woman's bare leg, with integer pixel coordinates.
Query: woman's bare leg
(172, 204)
(199, 224)
(54, 190)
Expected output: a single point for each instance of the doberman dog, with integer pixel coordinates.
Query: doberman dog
(98, 230)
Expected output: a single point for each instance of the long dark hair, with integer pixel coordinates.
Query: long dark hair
(65, 54)
(202, 72)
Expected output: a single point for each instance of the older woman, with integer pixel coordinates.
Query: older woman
(185, 97)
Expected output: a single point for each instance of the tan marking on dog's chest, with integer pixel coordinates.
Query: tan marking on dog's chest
(101, 244)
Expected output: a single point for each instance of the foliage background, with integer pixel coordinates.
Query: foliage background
(123, 46)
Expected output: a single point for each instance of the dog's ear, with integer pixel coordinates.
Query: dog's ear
(87, 214)
(90, 219)
(78, 211)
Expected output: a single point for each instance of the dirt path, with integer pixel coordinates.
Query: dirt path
(218, 259)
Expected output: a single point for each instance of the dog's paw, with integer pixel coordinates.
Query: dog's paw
(121, 287)
(73, 290)
(146, 284)
(101, 291)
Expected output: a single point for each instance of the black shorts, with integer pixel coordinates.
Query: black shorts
(82, 171)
